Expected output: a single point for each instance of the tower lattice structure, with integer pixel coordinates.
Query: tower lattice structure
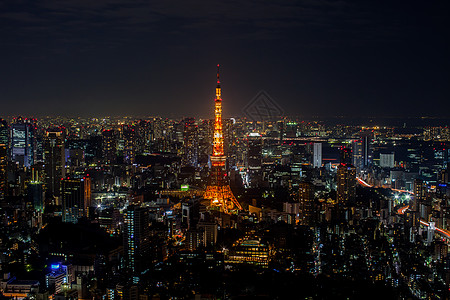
(218, 190)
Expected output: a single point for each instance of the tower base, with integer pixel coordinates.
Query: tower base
(222, 199)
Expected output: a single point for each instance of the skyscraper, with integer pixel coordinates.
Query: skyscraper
(3, 170)
(109, 146)
(362, 150)
(145, 134)
(129, 144)
(54, 159)
(218, 190)
(190, 136)
(4, 132)
(254, 159)
(22, 142)
(420, 190)
(306, 200)
(387, 160)
(136, 239)
(75, 198)
(317, 155)
(4, 145)
(346, 183)
(35, 191)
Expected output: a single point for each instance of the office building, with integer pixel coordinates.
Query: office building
(22, 142)
(190, 136)
(3, 170)
(420, 194)
(109, 146)
(387, 160)
(4, 133)
(35, 191)
(248, 251)
(75, 198)
(129, 144)
(306, 201)
(362, 150)
(136, 238)
(346, 183)
(54, 159)
(254, 160)
(317, 155)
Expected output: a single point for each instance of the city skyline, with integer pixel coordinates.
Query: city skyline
(156, 208)
(313, 58)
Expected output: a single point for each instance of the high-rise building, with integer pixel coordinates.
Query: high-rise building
(205, 133)
(145, 137)
(190, 136)
(387, 160)
(93, 152)
(209, 232)
(109, 146)
(75, 198)
(306, 200)
(254, 159)
(317, 155)
(444, 176)
(4, 146)
(4, 133)
(129, 144)
(136, 238)
(3, 170)
(35, 192)
(420, 193)
(218, 190)
(346, 183)
(362, 150)
(54, 159)
(22, 142)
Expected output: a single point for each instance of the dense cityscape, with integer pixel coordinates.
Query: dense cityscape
(312, 163)
(270, 208)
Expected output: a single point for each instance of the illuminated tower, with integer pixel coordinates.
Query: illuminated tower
(218, 190)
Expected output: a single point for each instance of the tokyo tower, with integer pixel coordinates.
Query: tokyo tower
(218, 190)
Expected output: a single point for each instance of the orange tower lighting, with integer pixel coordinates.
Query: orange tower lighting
(218, 190)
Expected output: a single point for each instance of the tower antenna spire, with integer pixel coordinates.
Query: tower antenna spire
(218, 81)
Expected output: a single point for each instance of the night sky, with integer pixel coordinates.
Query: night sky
(313, 57)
